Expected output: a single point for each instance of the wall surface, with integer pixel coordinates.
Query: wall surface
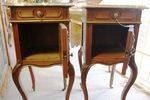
(4, 61)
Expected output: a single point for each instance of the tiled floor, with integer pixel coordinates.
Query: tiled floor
(49, 83)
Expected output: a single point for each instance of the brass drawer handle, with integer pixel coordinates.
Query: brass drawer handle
(39, 13)
(116, 15)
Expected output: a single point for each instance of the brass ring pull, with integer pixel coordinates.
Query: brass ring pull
(115, 16)
(39, 13)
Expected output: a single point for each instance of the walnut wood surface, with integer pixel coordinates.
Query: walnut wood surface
(30, 19)
(38, 13)
(104, 16)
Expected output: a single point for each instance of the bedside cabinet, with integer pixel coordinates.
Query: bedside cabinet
(41, 39)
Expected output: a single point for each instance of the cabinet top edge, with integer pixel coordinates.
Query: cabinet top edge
(39, 4)
(115, 6)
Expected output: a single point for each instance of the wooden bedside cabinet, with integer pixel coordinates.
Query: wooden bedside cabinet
(41, 38)
(109, 36)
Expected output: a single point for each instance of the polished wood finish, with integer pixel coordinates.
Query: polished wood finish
(32, 77)
(32, 41)
(133, 76)
(107, 16)
(71, 73)
(112, 76)
(38, 13)
(109, 20)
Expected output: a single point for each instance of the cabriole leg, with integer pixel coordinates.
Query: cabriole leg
(132, 78)
(84, 73)
(71, 80)
(15, 75)
(32, 77)
(112, 76)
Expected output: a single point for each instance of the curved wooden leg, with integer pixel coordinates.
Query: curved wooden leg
(65, 83)
(124, 68)
(71, 80)
(84, 73)
(80, 59)
(112, 76)
(132, 78)
(65, 76)
(15, 75)
(32, 77)
(109, 69)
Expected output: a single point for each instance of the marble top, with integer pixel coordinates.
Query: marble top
(82, 6)
(114, 6)
(39, 4)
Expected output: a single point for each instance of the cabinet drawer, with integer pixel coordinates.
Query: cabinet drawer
(111, 15)
(39, 13)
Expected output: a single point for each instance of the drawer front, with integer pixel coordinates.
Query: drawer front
(114, 15)
(24, 13)
(54, 13)
(39, 13)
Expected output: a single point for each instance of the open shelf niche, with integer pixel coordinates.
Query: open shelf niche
(108, 39)
(39, 40)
